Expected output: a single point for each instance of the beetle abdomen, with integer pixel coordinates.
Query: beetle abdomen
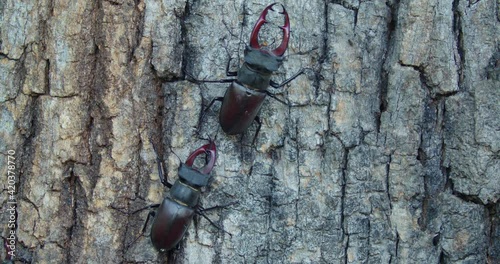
(171, 222)
(239, 108)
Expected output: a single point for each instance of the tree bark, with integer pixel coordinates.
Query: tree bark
(387, 152)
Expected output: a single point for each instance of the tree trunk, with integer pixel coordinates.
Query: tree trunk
(387, 150)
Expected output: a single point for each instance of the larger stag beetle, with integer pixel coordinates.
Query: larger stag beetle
(244, 97)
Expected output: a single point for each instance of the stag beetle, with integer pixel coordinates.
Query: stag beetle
(244, 97)
(177, 210)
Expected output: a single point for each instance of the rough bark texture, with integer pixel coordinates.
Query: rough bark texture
(388, 151)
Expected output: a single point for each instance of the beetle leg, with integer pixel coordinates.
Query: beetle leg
(276, 98)
(254, 42)
(285, 82)
(150, 214)
(213, 101)
(201, 209)
(214, 224)
(230, 73)
(159, 163)
(259, 124)
(147, 207)
(205, 112)
(161, 171)
(191, 78)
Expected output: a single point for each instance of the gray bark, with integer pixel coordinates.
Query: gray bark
(388, 151)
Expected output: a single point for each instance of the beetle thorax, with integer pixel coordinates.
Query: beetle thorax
(185, 194)
(256, 71)
(186, 190)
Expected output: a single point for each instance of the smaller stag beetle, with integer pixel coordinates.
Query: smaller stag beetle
(244, 97)
(177, 210)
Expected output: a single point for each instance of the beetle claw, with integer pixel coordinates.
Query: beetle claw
(254, 42)
(208, 149)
